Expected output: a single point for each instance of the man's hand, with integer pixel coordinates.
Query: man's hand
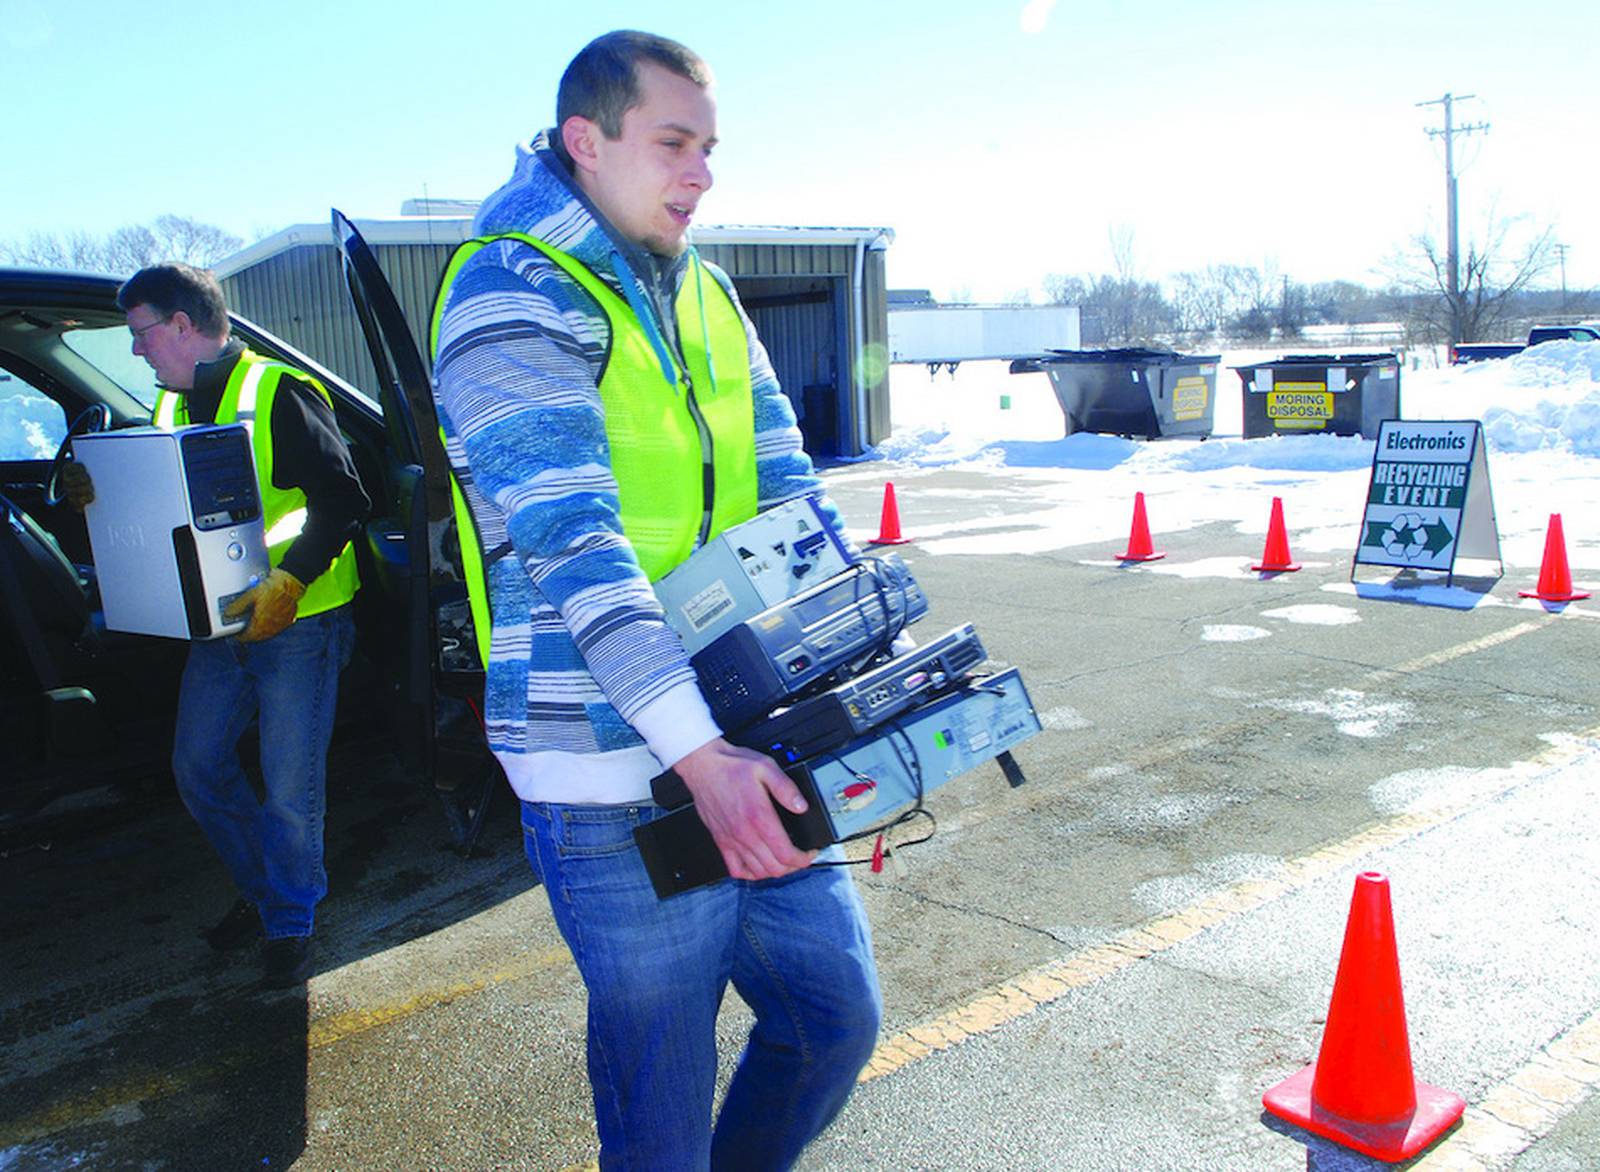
(272, 603)
(76, 486)
(731, 788)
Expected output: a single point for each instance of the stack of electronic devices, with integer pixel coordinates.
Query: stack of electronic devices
(793, 639)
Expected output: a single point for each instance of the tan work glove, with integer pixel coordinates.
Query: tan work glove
(272, 603)
(76, 486)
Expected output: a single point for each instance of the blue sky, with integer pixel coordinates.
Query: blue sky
(1000, 140)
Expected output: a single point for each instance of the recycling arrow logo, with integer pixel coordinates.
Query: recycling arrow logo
(1408, 537)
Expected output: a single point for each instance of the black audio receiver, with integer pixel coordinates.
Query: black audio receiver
(830, 720)
(792, 646)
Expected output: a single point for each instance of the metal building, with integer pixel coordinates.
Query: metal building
(818, 297)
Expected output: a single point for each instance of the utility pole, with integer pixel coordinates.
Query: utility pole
(1561, 251)
(1453, 248)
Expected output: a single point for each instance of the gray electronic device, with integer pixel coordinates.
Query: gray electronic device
(786, 649)
(749, 567)
(898, 763)
(868, 784)
(175, 526)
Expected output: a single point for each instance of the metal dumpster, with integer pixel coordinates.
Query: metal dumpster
(1338, 394)
(1132, 392)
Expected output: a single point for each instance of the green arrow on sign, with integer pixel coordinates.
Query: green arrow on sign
(1375, 533)
(1438, 535)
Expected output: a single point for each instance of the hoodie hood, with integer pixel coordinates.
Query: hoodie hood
(542, 199)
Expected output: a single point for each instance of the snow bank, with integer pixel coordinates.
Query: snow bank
(1545, 398)
(1541, 414)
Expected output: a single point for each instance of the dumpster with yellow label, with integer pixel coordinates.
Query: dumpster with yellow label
(1132, 392)
(1338, 394)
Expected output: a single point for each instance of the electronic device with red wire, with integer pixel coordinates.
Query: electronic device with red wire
(872, 782)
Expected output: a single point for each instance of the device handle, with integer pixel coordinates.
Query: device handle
(669, 791)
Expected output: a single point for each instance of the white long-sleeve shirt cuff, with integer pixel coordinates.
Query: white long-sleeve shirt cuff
(676, 724)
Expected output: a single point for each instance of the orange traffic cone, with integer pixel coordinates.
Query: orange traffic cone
(1139, 548)
(1360, 1091)
(1275, 558)
(889, 522)
(1555, 579)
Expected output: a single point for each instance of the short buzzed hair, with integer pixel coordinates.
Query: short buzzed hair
(602, 81)
(178, 288)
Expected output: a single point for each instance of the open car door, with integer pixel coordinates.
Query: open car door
(442, 692)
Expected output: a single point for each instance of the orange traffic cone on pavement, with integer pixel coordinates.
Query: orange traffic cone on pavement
(1139, 548)
(889, 523)
(1555, 579)
(1360, 1091)
(1275, 558)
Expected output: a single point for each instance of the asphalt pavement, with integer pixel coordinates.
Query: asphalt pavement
(1102, 969)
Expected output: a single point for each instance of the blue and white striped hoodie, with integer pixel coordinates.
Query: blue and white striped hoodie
(589, 693)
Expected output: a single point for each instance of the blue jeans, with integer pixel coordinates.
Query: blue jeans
(273, 846)
(798, 951)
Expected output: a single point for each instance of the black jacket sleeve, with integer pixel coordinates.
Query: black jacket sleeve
(308, 453)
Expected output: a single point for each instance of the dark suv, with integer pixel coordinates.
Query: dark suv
(81, 706)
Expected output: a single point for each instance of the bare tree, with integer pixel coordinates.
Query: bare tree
(1115, 310)
(1131, 311)
(1492, 275)
(1211, 299)
(1347, 301)
(191, 241)
(1194, 301)
(1294, 308)
(1134, 312)
(65, 250)
(1120, 237)
(128, 248)
(1065, 289)
(1240, 300)
(131, 248)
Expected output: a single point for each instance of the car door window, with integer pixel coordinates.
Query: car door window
(32, 425)
(109, 349)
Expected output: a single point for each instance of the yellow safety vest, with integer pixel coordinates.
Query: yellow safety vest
(248, 399)
(653, 428)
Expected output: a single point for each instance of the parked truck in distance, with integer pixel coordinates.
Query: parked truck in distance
(1479, 351)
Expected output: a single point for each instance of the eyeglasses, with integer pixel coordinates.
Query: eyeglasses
(141, 331)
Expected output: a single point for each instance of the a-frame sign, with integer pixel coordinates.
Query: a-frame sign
(1429, 500)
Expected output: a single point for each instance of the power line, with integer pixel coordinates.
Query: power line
(1453, 249)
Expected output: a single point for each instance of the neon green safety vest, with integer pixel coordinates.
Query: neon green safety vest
(248, 399)
(670, 445)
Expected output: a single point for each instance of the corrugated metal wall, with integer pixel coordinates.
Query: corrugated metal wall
(801, 337)
(299, 294)
(780, 260)
(801, 322)
(865, 359)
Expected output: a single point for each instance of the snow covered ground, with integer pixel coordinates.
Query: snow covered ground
(1541, 416)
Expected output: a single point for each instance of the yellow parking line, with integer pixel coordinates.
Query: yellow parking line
(1522, 1108)
(1436, 658)
(337, 1027)
(1024, 994)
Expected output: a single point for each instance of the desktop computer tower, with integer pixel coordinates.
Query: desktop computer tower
(175, 527)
